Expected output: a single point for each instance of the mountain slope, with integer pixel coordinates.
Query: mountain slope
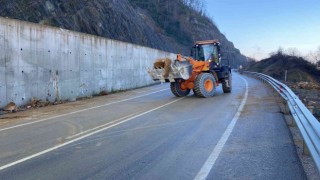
(169, 25)
(298, 69)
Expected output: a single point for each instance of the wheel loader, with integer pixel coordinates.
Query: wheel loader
(201, 73)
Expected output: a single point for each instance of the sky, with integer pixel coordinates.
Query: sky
(259, 27)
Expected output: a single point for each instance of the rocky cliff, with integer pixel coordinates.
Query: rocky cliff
(169, 25)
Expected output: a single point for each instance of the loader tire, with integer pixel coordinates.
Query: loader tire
(205, 85)
(225, 87)
(177, 90)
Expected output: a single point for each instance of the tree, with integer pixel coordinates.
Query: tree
(314, 56)
(279, 52)
(293, 52)
(197, 5)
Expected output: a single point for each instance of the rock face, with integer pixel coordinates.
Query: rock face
(126, 20)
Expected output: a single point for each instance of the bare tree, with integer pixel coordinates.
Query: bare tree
(280, 51)
(318, 56)
(314, 56)
(293, 52)
(197, 5)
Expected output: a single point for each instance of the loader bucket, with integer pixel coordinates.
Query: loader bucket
(178, 70)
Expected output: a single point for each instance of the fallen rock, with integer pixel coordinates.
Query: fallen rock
(11, 107)
(103, 93)
(312, 103)
(307, 85)
(34, 102)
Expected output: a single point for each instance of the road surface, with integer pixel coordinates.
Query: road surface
(148, 133)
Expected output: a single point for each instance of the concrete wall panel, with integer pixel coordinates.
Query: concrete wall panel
(56, 64)
(3, 92)
(3, 96)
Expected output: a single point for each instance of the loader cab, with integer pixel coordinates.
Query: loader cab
(206, 51)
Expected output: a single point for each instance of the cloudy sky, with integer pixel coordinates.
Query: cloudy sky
(258, 27)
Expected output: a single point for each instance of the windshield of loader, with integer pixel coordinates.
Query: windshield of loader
(205, 52)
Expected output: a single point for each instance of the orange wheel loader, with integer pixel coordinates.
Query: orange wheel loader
(202, 72)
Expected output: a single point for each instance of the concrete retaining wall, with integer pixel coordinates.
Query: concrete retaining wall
(56, 64)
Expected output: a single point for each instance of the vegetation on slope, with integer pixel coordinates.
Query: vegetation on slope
(169, 25)
(298, 69)
(176, 18)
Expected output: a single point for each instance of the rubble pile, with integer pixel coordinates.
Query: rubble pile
(306, 85)
(36, 103)
(309, 94)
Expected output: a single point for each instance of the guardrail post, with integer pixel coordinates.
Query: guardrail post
(305, 149)
(285, 109)
(290, 121)
(283, 104)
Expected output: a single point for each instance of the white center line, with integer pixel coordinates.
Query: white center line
(82, 137)
(207, 166)
(74, 112)
(98, 127)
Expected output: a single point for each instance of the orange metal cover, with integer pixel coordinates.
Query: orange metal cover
(208, 41)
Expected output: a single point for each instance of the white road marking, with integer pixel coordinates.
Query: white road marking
(82, 137)
(142, 91)
(120, 132)
(207, 166)
(160, 125)
(98, 127)
(74, 112)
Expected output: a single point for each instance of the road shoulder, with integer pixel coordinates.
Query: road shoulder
(261, 145)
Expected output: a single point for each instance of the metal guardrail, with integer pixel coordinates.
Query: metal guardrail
(308, 125)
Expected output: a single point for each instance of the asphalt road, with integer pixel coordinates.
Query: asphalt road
(148, 133)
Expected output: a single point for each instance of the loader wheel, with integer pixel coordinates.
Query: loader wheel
(225, 87)
(177, 90)
(205, 85)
